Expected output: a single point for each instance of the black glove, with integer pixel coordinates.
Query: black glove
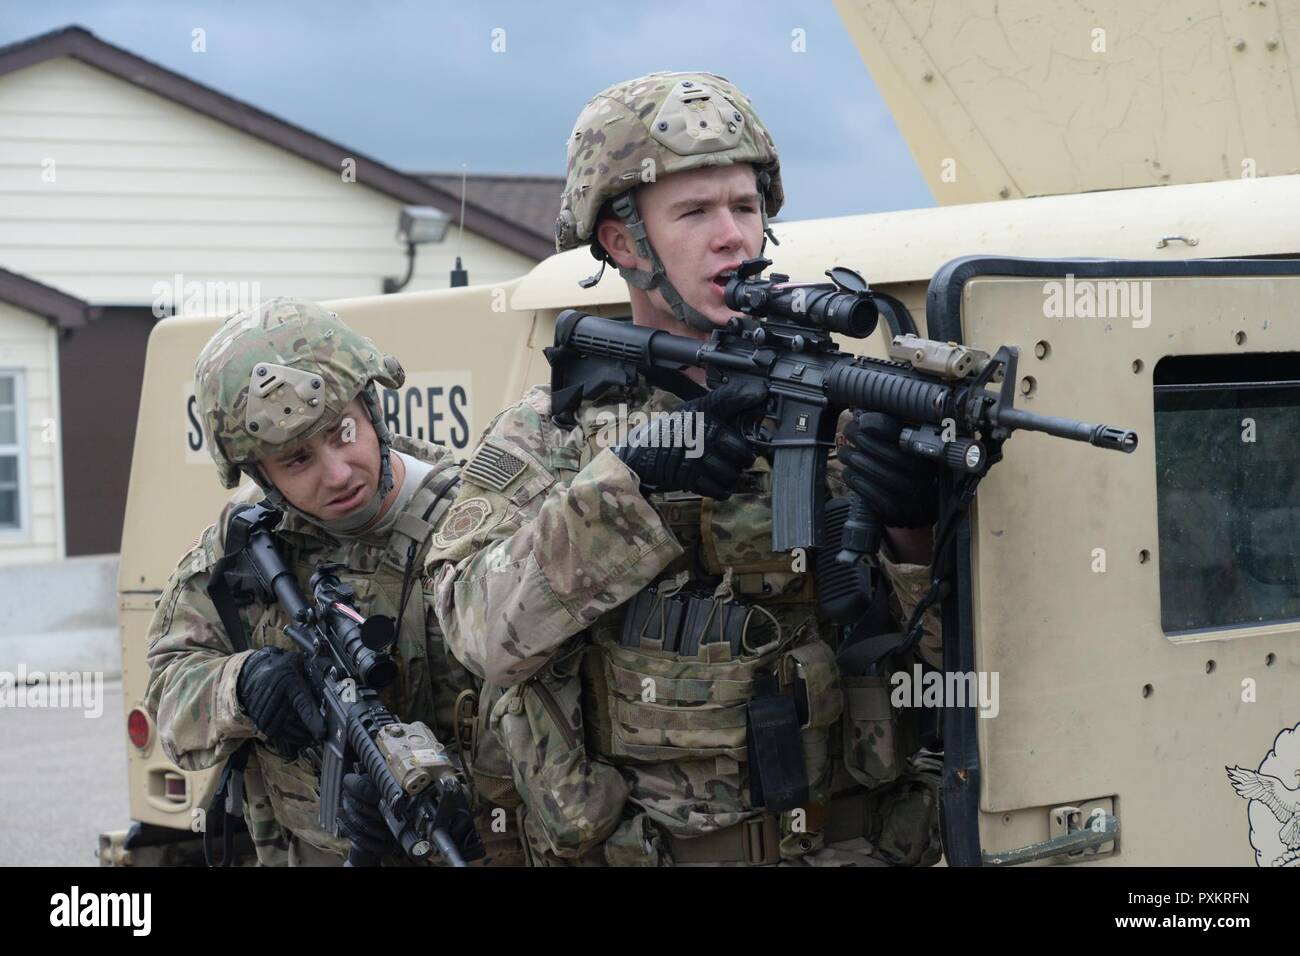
(900, 488)
(274, 694)
(725, 454)
(360, 820)
(460, 820)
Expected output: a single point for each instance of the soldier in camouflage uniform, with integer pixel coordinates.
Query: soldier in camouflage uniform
(592, 582)
(288, 399)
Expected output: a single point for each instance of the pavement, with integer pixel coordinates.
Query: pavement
(62, 780)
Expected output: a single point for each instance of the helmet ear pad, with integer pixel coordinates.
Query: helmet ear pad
(228, 474)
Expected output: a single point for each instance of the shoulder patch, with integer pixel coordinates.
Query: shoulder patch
(203, 554)
(463, 519)
(493, 467)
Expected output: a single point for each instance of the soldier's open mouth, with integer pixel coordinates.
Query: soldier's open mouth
(719, 284)
(722, 275)
(350, 500)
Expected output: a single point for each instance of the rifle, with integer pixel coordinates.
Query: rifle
(782, 338)
(348, 662)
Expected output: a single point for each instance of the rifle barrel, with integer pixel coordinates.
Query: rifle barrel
(1102, 436)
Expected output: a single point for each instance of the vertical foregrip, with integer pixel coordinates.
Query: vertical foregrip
(861, 535)
(869, 389)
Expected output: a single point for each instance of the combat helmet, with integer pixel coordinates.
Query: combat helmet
(652, 126)
(278, 374)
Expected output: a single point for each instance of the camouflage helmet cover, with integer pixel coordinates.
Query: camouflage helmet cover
(654, 126)
(274, 376)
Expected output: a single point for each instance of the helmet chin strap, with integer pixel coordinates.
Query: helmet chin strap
(354, 521)
(656, 278)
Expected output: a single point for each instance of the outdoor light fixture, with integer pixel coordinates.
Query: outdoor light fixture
(420, 224)
(416, 226)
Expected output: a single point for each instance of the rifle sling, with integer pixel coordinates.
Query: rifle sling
(425, 529)
(671, 380)
(228, 800)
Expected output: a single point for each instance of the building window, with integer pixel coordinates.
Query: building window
(11, 452)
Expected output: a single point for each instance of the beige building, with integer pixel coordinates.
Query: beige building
(130, 192)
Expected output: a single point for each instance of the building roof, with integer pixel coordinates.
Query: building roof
(529, 201)
(65, 311)
(82, 45)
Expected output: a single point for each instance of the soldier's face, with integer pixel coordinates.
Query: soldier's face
(702, 223)
(334, 472)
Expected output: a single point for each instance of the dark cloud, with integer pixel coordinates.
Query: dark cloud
(419, 86)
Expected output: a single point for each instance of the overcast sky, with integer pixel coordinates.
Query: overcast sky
(416, 84)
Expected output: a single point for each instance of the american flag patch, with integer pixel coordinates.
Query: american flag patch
(493, 467)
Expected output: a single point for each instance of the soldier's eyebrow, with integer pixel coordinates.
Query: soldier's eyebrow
(284, 457)
(692, 202)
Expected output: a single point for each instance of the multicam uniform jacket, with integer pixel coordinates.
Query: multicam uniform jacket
(193, 668)
(624, 751)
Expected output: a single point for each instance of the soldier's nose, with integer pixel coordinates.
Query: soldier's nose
(729, 235)
(338, 473)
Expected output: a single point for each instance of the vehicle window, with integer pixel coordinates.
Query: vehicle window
(1227, 446)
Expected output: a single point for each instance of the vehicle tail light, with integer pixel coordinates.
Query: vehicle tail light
(137, 728)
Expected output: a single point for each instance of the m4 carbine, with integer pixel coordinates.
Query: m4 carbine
(783, 340)
(348, 662)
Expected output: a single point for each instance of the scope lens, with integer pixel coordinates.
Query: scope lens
(377, 670)
(378, 632)
(846, 313)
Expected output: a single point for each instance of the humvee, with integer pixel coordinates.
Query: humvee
(1140, 610)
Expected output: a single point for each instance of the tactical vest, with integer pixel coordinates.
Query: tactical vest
(746, 625)
(428, 680)
(648, 703)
